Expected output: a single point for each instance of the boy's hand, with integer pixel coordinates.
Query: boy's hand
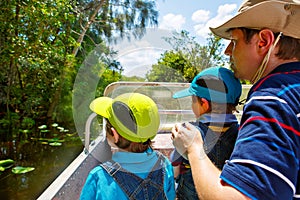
(186, 138)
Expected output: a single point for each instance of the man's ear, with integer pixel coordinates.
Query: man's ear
(266, 39)
(115, 134)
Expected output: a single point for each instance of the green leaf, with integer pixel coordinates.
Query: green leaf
(55, 125)
(22, 170)
(25, 131)
(44, 142)
(61, 129)
(43, 139)
(55, 140)
(5, 164)
(42, 127)
(55, 144)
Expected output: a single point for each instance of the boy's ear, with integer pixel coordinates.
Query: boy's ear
(205, 104)
(115, 134)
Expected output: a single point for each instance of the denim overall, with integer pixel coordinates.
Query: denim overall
(136, 188)
(218, 149)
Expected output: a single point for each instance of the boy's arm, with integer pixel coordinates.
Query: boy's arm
(176, 160)
(205, 175)
(89, 189)
(176, 170)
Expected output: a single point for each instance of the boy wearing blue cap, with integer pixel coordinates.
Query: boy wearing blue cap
(215, 94)
(136, 171)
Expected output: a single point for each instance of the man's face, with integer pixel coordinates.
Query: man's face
(243, 56)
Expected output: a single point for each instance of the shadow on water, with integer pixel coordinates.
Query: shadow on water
(48, 161)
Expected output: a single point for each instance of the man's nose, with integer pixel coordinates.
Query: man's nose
(228, 50)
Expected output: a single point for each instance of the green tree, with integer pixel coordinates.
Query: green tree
(172, 67)
(186, 58)
(111, 19)
(43, 44)
(104, 20)
(35, 40)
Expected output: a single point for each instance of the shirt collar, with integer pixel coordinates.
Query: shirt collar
(287, 67)
(123, 157)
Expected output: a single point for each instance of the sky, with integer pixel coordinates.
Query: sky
(194, 16)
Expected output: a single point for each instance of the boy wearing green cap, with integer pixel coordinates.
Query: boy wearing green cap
(136, 171)
(215, 94)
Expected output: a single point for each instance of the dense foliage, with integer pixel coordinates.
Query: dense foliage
(42, 46)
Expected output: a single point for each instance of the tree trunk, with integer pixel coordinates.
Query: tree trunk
(57, 94)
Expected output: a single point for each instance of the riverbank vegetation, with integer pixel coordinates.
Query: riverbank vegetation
(44, 42)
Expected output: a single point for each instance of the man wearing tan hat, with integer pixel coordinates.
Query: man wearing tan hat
(265, 164)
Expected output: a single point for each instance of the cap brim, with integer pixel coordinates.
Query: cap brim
(182, 93)
(101, 106)
(268, 14)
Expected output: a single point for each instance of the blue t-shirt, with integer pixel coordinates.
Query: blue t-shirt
(265, 162)
(100, 185)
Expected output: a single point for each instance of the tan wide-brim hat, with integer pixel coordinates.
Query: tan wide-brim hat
(278, 16)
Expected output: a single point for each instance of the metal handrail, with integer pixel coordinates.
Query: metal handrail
(87, 131)
(111, 87)
(174, 112)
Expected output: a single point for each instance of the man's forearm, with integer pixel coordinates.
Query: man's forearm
(207, 180)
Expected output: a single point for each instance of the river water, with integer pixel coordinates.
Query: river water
(48, 161)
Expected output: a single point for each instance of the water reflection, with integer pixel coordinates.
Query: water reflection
(48, 161)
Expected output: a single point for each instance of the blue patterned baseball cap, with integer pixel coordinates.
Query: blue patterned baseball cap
(216, 84)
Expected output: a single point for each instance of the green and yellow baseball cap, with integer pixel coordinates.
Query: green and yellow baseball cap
(134, 115)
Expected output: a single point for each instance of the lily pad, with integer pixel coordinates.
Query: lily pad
(61, 129)
(22, 170)
(55, 140)
(42, 127)
(25, 131)
(45, 131)
(71, 134)
(55, 144)
(44, 142)
(55, 125)
(43, 139)
(5, 164)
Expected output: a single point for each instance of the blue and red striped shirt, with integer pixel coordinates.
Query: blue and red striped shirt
(265, 160)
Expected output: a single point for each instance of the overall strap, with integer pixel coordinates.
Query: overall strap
(154, 183)
(111, 167)
(219, 145)
(134, 187)
(209, 137)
